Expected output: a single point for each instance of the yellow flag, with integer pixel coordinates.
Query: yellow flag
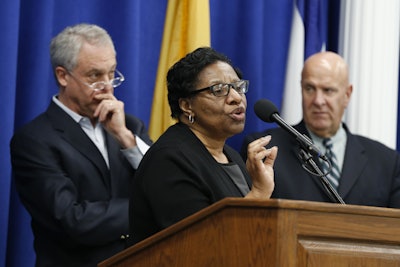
(187, 27)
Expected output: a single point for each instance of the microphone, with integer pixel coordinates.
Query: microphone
(267, 111)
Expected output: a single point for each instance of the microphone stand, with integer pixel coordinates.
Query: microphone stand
(332, 193)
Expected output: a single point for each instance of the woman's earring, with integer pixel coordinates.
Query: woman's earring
(191, 118)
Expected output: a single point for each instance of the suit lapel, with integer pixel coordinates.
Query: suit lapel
(351, 172)
(71, 131)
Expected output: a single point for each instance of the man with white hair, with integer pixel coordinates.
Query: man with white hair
(73, 163)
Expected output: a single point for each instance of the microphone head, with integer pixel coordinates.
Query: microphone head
(264, 109)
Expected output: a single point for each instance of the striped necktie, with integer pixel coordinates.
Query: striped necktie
(334, 174)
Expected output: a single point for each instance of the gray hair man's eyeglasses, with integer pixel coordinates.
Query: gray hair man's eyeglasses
(98, 86)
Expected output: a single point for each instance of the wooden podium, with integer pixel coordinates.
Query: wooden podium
(282, 233)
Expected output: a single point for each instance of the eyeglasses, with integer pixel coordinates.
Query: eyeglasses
(222, 89)
(98, 86)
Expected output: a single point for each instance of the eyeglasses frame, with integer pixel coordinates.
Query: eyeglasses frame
(231, 85)
(120, 78)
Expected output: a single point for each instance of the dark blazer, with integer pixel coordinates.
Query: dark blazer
(370, 173)
(79, 207)
(178, 177)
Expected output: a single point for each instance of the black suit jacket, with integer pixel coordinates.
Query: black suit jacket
(370, 173)
(79, 206)
(178, 177)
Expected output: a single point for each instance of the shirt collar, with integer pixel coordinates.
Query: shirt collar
(75, 116)
(338, 138)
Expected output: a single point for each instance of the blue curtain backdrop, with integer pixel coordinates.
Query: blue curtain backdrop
(255, 34)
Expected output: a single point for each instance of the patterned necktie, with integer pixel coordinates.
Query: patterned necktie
(334, 174)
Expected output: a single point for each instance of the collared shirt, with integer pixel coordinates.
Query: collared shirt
(97, 134)
(339, 144)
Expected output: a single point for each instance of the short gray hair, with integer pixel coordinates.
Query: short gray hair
(65, 47)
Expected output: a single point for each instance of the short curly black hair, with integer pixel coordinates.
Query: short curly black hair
(183, 75)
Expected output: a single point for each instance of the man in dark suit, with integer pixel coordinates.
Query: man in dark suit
(73, 164)
(368, 173)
